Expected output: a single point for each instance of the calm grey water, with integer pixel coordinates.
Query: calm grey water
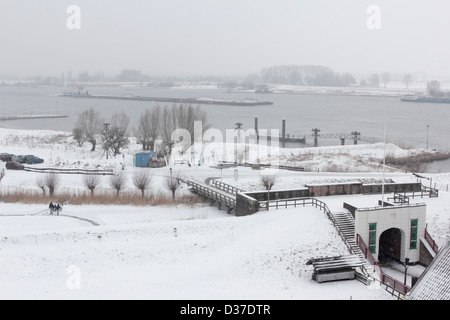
(333, 115)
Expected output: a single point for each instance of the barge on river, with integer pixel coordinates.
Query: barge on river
(213, 101)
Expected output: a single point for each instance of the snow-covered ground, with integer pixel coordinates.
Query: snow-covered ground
(181, 251)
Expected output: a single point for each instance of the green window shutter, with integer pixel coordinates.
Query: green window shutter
(372, 237)
(413, 236)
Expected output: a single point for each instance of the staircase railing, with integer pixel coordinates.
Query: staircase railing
(384, 278)
(430, 241)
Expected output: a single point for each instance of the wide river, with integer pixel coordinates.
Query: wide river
(334, 115)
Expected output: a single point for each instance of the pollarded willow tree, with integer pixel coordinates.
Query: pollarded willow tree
(172, 183)
(88, 127)
(91, 182)
(118, 181)
(51, 181)
(268, 179)
(142, 179)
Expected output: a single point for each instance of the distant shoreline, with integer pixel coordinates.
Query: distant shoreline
(30, 117)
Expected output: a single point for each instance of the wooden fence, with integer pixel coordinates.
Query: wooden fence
(70, 171)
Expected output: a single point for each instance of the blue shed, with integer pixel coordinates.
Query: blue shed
(142, 159)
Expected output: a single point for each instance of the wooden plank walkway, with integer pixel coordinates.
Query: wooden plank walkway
(214, 195)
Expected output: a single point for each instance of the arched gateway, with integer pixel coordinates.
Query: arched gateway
(392, 231)
(391, 244)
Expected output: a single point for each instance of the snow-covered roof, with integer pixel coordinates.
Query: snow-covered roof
(434, 284)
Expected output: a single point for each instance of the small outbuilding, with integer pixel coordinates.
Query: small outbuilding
(143, 159)
(148, 159)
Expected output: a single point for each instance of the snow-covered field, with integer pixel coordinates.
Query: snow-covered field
(182, 251)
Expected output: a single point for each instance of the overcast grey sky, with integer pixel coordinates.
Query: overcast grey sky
(206, 37)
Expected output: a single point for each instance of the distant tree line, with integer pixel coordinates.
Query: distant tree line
(317, 75)
(153, 124)
(307, 75)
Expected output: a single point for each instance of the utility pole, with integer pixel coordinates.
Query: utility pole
(107, 140)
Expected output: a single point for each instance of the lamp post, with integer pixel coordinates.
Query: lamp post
(428, 126)
(384, 159)
(406, 268)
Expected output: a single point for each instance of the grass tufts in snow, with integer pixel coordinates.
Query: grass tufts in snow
(86, 198)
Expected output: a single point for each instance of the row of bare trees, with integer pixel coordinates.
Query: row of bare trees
(161, 122)
(156, 123)
(118, 182)
(113, 134)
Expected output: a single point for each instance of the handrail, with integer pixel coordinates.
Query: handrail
(391, 207)
(294, 202)
(212, 194)
(431, 242)
(393, 283)
(226, 187)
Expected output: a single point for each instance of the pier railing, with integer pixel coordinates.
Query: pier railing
(213, 195)
(225, 187)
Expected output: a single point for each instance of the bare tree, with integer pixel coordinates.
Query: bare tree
(407, 79)
(142, 180)
(268, 180)
(434, 88)
(186, 117)
(40, 182)
(91, 182)
(88, 127)
(118, 181)
(115, 136)
(148, 128)
(78, 135)
(348, 80)
(168, 123)
(172, 183)
(385, 78)
(374, 80)
(51, 180)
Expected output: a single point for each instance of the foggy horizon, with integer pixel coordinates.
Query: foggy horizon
(222, 37)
